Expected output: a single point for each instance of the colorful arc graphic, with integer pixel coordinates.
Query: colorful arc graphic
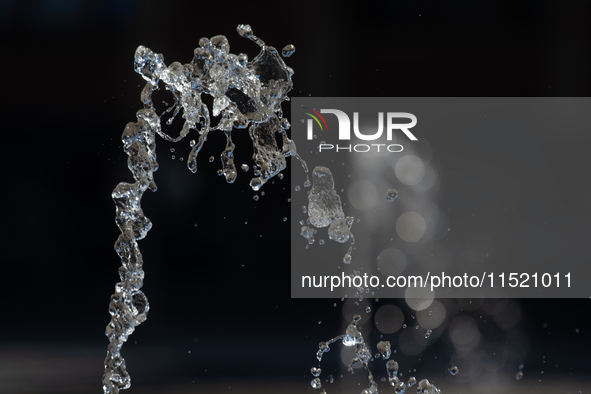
(316, 119)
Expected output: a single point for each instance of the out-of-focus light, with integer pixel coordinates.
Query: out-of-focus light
(433, 316)
(363, 195)
(388, 319)
(410, 226)
(509, 316)
(410, 170)
(419, 298)
(464, 332)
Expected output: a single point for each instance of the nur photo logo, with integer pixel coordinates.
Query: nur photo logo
(388, 121)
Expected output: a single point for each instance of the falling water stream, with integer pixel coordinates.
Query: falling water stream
(246, 95)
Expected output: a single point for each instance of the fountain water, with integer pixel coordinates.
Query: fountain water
(246, 94)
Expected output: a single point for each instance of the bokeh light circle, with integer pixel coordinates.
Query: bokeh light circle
(388, 319)
(433, 316)
(411, 226)
(363, 195)
(419, 298)
(409, 170)
(464, 332)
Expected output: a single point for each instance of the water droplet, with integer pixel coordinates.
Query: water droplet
(288, 50)
(520, 366)
(404, 326)
(392, 368)
(244, 167)
(244, 30)
(321, 242)
(173, 157)
(385, 349)
(280, 175)
(211, 159)
(368, 309)
(454, 370)
(255, 197)
(391, 195)
(192, 143)
(577, 330)
(316, 371)
(412, 381)
(316, 383)
(285, 219)
(428, 333)
(297, 188)
(172, 150)
(399, 387)
(519, 375)
(308, 233)
(285, 125)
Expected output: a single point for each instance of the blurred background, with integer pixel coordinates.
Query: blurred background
(216, 261)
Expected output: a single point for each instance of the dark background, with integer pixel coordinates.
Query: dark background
(69, 89)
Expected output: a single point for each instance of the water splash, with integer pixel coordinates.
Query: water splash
(325, 210)
(353, 337)
(129, 306)
(324, 206)
(246, 95)
(308, 233)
